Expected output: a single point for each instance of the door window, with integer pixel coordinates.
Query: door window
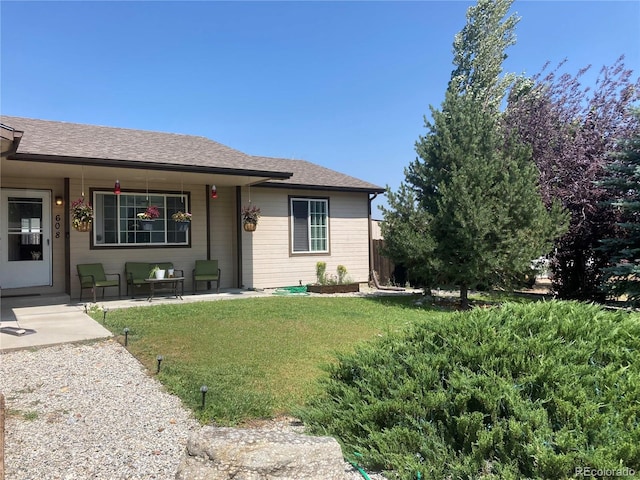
(25, 229)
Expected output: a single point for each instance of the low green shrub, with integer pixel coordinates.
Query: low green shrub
(519, 391)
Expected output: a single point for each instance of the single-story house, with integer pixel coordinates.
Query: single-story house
(308, 213)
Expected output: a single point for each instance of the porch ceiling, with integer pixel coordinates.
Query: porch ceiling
(108, 175)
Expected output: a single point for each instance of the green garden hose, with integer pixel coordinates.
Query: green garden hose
(358, 467)
(364, 474)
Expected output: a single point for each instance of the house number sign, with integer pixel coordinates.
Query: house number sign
(57, 226)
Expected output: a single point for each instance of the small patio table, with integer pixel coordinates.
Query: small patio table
(170, 284)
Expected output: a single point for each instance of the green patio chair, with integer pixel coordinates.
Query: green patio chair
(92, 276)
(206, 271)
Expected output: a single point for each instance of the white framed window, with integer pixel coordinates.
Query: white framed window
(116, 222)
(309, 225)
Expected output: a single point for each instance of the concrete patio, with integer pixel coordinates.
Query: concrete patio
(57, 319)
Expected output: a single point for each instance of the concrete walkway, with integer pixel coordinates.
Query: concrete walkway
(56, 319)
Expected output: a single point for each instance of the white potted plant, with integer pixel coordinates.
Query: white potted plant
(156, 272)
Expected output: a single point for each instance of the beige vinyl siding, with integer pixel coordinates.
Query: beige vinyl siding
(267, 258)
(56, 187)
(223, 236)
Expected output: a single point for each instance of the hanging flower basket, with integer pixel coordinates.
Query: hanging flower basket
(182, 226)
(146, 225)
(183, 221)
(250, 216)
(81, 215)
(147, 217)
(82, 226)
(151, 213)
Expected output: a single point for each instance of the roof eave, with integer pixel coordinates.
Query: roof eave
(298, 186)
(10, 139)
(135, 164)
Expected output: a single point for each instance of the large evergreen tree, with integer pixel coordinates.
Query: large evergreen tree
(622, 275)
(469, 212)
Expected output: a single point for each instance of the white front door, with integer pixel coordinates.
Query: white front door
(25, 238)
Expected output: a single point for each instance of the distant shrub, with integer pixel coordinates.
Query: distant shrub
(321, 273)
(342, 274)
(520, 391)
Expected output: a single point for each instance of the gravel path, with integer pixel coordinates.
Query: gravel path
(92, 412)
(88, 411)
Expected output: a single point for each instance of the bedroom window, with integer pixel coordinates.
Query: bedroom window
(309, 225)
(116, 222)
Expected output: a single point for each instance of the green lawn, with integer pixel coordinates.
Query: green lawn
(259, 357)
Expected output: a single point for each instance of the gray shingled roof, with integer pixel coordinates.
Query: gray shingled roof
(45, 138)
(307, 174)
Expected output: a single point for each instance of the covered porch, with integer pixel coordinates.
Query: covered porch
(43, 260)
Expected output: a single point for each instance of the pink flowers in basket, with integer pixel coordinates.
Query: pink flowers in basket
(81, 212)
(151, 213)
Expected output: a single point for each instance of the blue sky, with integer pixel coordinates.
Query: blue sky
(342, 84)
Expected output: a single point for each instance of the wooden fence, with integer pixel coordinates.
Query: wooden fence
(381, 264)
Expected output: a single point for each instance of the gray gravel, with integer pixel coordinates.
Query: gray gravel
(91, 412)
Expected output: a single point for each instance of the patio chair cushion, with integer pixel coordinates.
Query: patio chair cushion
(206, 270)
(137, 272)
(92, 274)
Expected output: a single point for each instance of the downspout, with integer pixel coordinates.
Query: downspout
(371, 199)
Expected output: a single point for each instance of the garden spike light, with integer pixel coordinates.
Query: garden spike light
(204, 389)
(159, 358)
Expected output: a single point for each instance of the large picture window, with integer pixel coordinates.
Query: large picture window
(116, 220)
(309, 225)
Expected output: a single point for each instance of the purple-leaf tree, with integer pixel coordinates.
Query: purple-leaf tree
(572, 130)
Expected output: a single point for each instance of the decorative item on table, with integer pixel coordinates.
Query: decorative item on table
(156, 272)
(250, 215)
(81, 215)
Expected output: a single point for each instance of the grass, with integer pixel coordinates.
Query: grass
(259, 357)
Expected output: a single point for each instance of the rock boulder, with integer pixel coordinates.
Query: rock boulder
(218, 453)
